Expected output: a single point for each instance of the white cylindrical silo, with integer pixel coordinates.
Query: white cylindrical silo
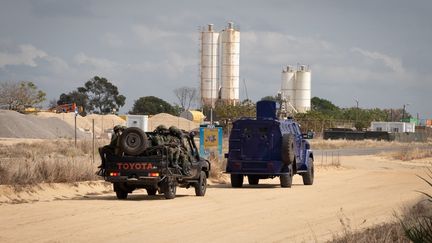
(230, 64)
(209, 64)
(302, 88)
(287, 88)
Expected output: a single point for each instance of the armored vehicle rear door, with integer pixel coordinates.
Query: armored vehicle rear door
(257, 140)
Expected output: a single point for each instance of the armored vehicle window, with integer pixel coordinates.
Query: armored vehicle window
(263, 132)
(247, 131)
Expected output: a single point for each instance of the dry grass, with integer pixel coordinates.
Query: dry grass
(47, 161)
(342, 143)
(216, 172)
(408, 154)
(414, 224)
(386, 232)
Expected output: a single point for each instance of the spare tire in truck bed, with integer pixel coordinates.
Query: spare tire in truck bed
(133, 141)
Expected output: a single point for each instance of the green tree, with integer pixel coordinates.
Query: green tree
(80, 99)
(150, 105)
(18, 96)
(103, 96)
(246, 108)
(323, 105)
(270, 98)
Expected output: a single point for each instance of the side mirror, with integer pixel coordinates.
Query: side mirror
(308, 135)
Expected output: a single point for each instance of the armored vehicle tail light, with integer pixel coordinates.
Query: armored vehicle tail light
(270, 165)
(237, 165)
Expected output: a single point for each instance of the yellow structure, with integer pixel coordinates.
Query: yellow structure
(195, 116)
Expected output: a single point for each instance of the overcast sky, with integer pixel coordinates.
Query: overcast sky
(378, 52)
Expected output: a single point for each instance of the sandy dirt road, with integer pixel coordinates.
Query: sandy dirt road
(367, 190)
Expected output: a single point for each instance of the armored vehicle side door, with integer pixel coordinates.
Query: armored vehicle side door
(298, 142)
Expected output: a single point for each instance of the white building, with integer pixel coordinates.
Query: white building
(394, 127)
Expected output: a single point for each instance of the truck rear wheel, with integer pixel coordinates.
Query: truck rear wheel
(253, 180)
(201, 186)
(236, 180)
(170, 191)
(151, 191)
(120, 190)
(308, 177)
(133, 141)
(121, 194)
(288, 153)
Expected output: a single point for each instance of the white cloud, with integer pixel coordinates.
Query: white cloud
(149, 35)
(27, 55)
(173, 65)
(393, 63)
(99, 63)
(164, 39)
(112, 40)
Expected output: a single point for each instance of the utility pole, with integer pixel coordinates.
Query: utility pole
(403, 110)
(357, 110)
(76, 114)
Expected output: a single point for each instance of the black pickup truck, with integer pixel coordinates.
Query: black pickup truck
(140, 162)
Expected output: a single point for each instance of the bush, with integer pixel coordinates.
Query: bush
(418, 227)
(48, 161)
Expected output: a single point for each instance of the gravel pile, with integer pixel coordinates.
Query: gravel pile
(170, 120)
(17, 125)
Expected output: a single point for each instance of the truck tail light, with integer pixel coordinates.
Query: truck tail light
(153, 174)
(114, 174)
(237, 165)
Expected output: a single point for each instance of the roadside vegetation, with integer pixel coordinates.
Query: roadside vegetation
(414, 224)
(408, 154)
(320, 143)
(54, 161)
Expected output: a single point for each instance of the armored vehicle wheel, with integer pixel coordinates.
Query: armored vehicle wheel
(286, 179)
(308, 177)
(236, 180)
(133, 141)
(170, 191)
(201, 186)
(151, 191)
(121, 194)
(288, 155)
(253, 180)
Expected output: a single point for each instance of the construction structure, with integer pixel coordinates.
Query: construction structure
(220, 65)
(296, 89)
(209, 66)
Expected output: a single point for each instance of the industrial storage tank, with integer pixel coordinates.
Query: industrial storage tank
(230, 64)
(302, 86)
(287, 89)
(191, 115)
(209, 66)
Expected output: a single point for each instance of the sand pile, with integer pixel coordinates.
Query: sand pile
(17, 125)
(170, 120)
(102, 122)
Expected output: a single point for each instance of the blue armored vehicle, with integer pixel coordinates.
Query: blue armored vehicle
(267, 147)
